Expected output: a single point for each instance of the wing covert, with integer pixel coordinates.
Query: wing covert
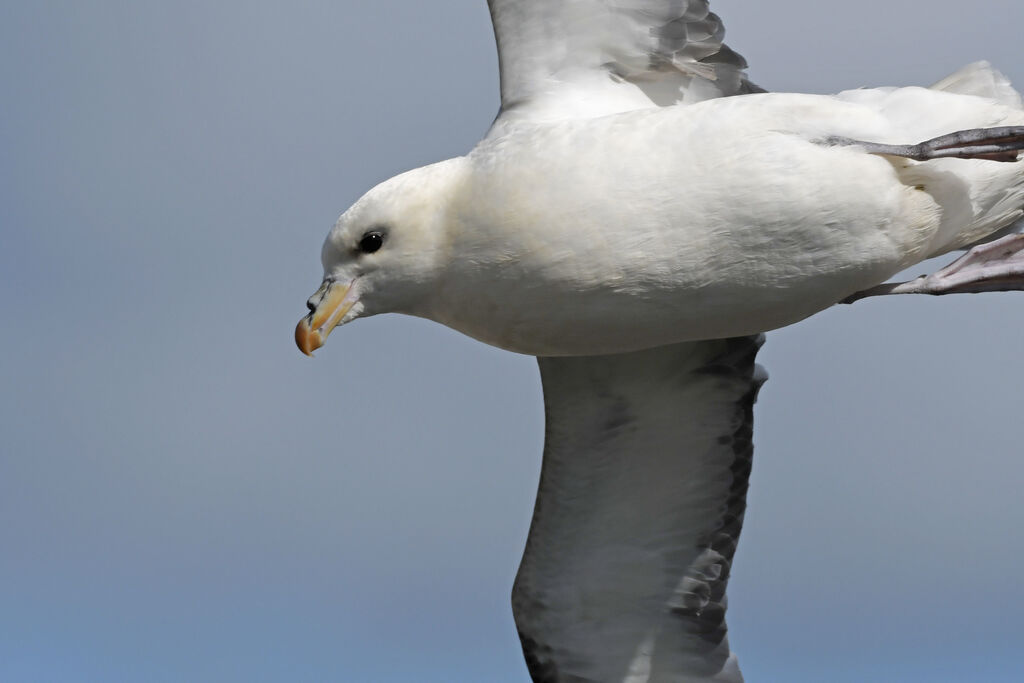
(586, 58)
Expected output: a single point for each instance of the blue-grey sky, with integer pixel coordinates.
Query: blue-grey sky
(185, 497)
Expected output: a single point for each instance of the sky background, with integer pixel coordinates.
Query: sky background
(184, 497)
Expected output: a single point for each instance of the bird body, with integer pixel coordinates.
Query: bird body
(729, 217)
(638, 212)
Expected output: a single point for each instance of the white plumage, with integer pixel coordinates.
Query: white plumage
(725, 218)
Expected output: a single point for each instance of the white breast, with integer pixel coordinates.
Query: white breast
(721, 219)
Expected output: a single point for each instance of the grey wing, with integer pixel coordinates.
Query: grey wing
(587, 58)
(641, 501)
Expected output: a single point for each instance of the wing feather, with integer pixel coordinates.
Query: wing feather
(641, 502)
(587, 58)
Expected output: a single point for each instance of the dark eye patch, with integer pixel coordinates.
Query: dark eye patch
(371, 241)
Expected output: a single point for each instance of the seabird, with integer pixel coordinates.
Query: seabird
(637, 216)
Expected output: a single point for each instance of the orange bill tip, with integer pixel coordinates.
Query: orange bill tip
(305, 338)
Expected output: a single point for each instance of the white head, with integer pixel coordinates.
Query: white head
(386, 253)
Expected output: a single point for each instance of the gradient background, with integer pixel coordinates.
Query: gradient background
(183, 497)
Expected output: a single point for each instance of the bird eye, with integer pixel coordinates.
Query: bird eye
(371, 242)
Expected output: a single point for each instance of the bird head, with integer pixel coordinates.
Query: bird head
(385, 254)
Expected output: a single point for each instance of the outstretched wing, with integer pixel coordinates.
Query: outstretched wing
(641, 501)
(565, 59)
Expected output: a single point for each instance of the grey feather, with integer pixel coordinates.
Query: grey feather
(640, 506)
(632, 51)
